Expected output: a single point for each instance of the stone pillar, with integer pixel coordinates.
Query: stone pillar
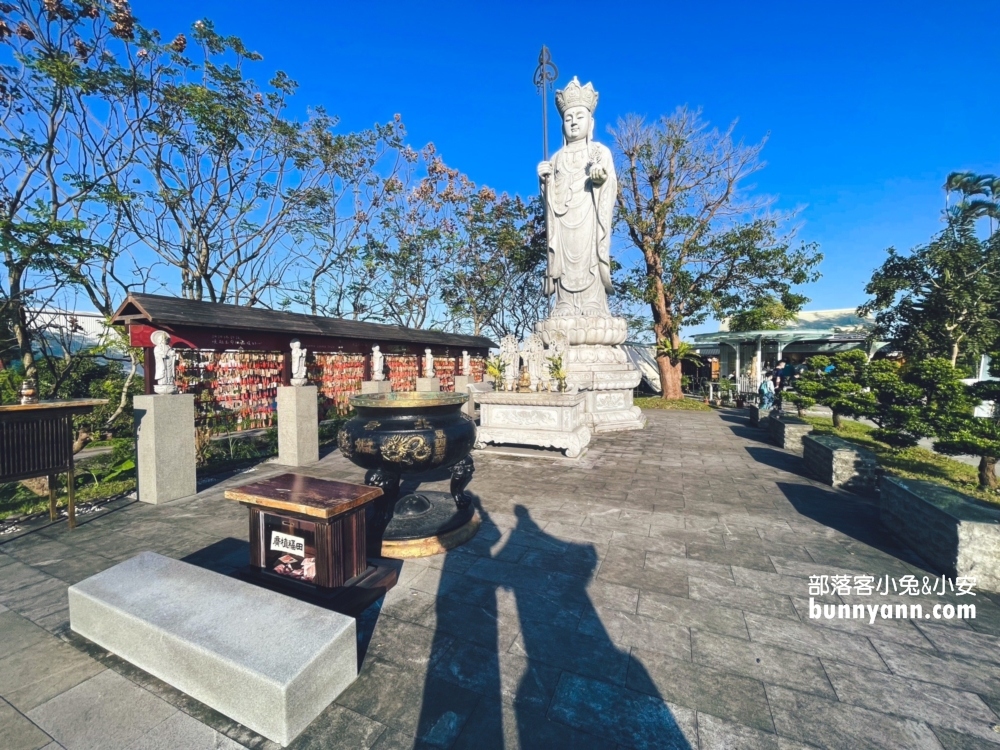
(165, 446)
(298, 425)
(462, 383)
(428, 385)
(376, 386)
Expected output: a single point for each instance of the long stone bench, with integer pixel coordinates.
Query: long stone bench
(268, 661)
(787, 431)
(839, 463)
(955, 533)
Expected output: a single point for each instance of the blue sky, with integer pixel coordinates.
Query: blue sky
(868, 105)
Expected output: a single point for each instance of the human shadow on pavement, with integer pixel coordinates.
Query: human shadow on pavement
(576, 687)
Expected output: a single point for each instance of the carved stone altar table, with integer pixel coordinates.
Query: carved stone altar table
(544, 420)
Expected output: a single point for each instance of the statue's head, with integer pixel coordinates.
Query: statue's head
(375, 348)
(159, 337)
(296, 344)
(576, 106)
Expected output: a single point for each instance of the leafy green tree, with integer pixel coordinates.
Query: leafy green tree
(494, 283)
(801, 400)
(942, 299)
(768, 314)
(961, 433)
(71, 98)
(220, 169)
(707, 248)
(838, 388)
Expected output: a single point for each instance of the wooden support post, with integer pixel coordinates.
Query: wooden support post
(148, 370)
(52, 497)
(286, 368)
(72, 502)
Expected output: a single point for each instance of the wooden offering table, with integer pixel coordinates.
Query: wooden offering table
(308, 536)
(36, 440)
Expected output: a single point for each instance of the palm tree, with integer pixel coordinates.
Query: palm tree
(970, 184)
(683, 352)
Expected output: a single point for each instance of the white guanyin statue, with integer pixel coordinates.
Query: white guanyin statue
(511, 358)
(378, 364)
(533, 357)
(428, 364)
(580, 189)
(166, 363)
(299, 376)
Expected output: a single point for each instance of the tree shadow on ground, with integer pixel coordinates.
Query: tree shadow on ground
(734, 418)
(575, 688)
(849, 514)
(750, 433)
(777, 459)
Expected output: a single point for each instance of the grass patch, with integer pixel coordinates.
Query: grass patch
(16, 500)
(909, 463)
(681, 404)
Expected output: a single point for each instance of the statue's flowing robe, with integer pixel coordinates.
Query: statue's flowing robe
(578, 219)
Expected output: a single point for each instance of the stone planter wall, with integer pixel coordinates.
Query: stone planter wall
(953, 532)
(839, 463)
(753, 412)
(787, 432)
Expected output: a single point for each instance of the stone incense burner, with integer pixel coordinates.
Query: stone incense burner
(401, 435)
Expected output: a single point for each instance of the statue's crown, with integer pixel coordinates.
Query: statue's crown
(575, 95)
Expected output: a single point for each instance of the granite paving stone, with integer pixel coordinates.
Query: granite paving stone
(522, 729)
(631, 718)
(957, 741)
(936, 705)
(482, 670)
(659, 562)
(586, 654)
(829, 724)
(182, 731)
(692, 613)
(962, 642)
(807, 639)
(628, 630)
(976, 676)
(17, 732)
(654, 593)
(105, 711)
(729, 595)
(718, 734)
(439, 716)
(32, 676)
(770, 664)
(701, 688)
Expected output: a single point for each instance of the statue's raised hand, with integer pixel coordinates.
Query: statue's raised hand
(598, 175)
(544, 169)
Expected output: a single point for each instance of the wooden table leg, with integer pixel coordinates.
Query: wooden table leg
(72, 504)
(52, 497)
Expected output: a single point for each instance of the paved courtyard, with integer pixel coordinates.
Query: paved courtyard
(654, 594)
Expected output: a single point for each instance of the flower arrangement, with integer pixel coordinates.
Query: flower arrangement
(495, 368)
(556, 370)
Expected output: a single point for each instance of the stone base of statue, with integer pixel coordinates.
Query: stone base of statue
(598, 368)
(165, 446)
(428, 385)
(298, 425)
(541, 420)
(376, 386)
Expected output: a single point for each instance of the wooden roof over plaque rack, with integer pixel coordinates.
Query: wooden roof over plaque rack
(210, 325)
